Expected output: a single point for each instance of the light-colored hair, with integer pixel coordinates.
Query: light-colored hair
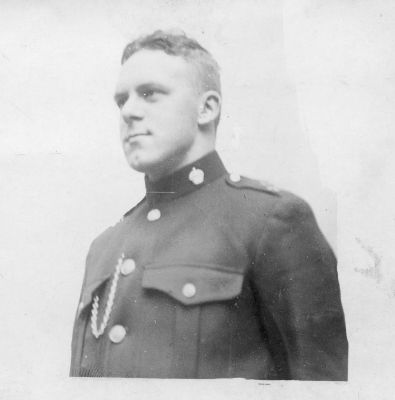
(178, 44)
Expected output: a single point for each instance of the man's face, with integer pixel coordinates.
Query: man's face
(159, 103)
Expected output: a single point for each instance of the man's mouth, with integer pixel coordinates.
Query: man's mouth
(132, 136)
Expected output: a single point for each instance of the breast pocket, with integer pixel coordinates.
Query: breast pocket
(193, 283)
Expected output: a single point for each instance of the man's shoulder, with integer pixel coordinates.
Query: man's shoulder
(266, 198)
(114, 230)
(104, 237)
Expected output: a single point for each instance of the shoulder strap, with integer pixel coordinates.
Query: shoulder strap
(241, 182)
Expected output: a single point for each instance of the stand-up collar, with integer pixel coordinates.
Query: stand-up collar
(185, 180)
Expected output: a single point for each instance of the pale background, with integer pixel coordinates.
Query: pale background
(309, 105)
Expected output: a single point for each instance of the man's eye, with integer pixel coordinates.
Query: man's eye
(148, 93)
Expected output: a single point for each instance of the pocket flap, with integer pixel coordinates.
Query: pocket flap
(193, 284)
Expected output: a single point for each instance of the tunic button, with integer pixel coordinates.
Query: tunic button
(128, 266)
(117, 333)
(189, 290)
(235, 178)
(153, 214)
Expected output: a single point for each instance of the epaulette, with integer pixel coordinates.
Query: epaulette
(241, 182)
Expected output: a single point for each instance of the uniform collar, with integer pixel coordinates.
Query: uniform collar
(188, 179)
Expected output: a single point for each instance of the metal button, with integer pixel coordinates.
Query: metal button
(235, 178)
(153, 214)
(117, 333)
(189, 290)
(128, 266)
(270, 187)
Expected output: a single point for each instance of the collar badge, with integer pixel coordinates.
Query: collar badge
(196, 176)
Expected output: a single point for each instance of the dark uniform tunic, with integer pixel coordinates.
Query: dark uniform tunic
(221, 277)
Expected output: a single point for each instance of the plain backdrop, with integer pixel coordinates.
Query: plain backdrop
(309, 103)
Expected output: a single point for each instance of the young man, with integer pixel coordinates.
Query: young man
(211, 275)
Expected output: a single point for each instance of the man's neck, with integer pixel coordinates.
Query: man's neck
(165, 170)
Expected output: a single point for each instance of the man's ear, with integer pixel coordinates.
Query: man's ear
(209, 107)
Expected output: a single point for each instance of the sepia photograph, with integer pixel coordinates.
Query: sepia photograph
(198, 197)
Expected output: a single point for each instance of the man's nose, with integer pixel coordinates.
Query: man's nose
(132, 110)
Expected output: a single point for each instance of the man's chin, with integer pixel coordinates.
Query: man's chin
(140, 164)
(137, 166)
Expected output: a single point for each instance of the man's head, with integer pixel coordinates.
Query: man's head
(169, 98)
(206, 75)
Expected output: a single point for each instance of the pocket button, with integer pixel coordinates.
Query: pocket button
(189, 290)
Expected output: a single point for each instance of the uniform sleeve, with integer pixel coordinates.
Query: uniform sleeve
(76, 340)
(296, 282)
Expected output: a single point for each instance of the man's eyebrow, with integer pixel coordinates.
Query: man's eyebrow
(150, 85)
(120, 94)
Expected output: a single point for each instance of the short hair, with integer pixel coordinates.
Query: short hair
(179, 44)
